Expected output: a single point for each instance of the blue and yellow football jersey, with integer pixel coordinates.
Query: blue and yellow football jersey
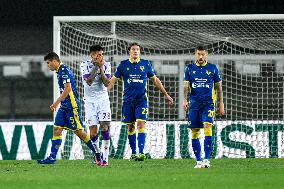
(202, 79)
(65, 75)
(134, 77)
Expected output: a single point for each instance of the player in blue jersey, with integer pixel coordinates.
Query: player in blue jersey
(68, 115)
(135, 72)
(201, 79)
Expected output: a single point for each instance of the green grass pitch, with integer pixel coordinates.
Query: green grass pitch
(163, 174)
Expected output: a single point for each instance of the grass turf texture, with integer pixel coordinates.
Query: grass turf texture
(162, 174)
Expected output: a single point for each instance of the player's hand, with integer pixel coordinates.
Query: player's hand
(221, 109)
(185, 105)
(169, 99)
(100, 61)
(54, 106)
(90, 81)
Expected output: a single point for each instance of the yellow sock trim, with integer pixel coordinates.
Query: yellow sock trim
(208, 131)
(56, 137)
(131, 133)
(141, 130)
(87, 138)
(195, 133)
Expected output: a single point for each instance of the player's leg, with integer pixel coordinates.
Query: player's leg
(92, 122)
(104, 117)
(128, 114)
(105, 125)
(55, 144)
(56, 141)
(60, 121)
(85, 137)
(75, 124)
(141, 139)
(207, 118)
(95, 140)
(132, 139)
(208, 141)
(196, 147)
(195, 127)
(141, 114)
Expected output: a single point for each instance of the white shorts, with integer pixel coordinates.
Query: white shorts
(97, 111)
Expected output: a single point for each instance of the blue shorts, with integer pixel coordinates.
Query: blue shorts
(197, 117)
(132, 111)
(70, 119)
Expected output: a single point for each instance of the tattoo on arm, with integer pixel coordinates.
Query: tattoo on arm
(186, 90)
(218, 87)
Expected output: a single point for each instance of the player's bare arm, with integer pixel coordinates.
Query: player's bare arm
(92, 76)
(112, 81)
(64, 94)
(218, 87)
(157, 82)
(186, 91)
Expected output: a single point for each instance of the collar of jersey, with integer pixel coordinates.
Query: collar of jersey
(132, 61)
(197, 64)
(58, 67)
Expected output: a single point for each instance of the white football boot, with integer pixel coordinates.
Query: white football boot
(206, 163)
(198, 165)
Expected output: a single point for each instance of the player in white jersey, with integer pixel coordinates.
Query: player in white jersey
(95, 75)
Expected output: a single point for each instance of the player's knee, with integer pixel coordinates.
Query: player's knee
(131, 129)
(141, 126)
(195, 133)
(207, 125)
(93, 130)
(208, 131)
(57, 131)
(105, 125)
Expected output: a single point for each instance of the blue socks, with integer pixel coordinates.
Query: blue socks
(196, 148)
(208, 146)
(208, 141)
(132, 142)
(141, 142)
(55, 144)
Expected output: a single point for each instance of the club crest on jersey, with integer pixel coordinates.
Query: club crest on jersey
(142, 68)
(208, 72)
(194, 72)
(127, 69)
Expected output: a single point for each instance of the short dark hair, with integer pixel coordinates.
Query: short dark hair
(133, 44)
(200, 48)
(95, 48)
(51, 56)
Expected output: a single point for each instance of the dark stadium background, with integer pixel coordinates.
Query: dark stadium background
(26, 29)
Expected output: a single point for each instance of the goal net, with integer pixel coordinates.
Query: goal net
(248, 49)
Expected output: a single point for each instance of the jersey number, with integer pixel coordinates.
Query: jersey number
(144, 110)
(211, 113)
(72, 120)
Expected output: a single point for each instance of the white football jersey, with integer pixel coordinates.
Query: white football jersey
(97, 90)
